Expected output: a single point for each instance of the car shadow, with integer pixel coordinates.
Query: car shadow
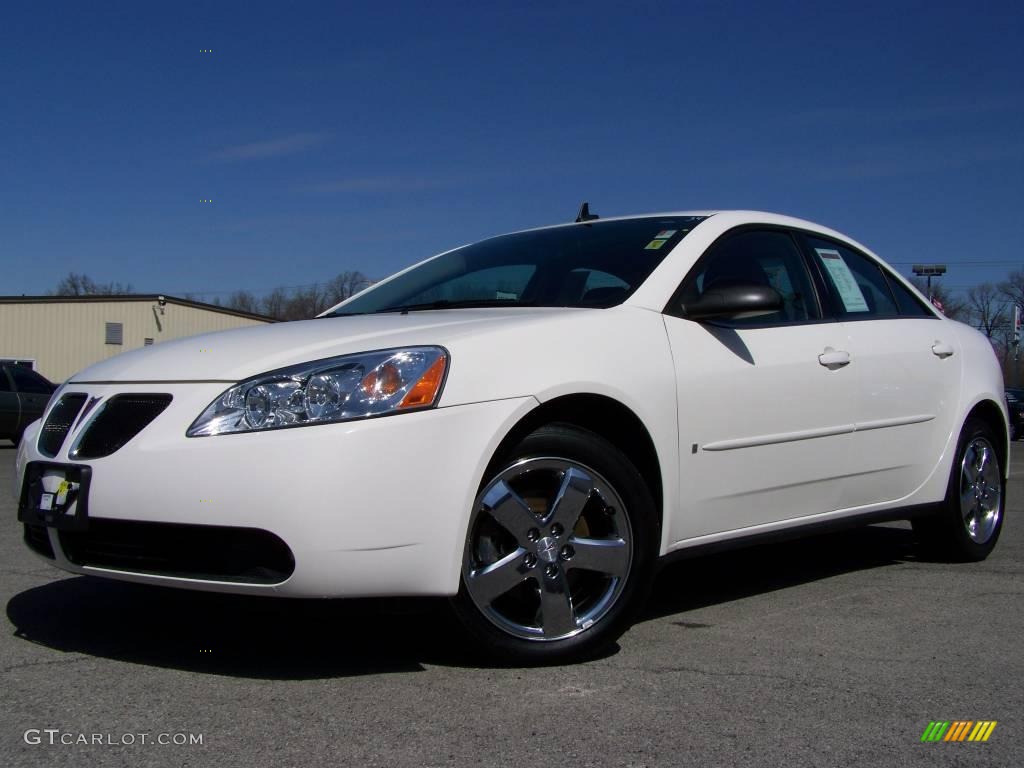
(689, 584)
(237, 635)
(264, 638)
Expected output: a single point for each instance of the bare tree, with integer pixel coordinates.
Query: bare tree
(243, 301)
(1013, 287)
(275, 303)
(75, 284)
(987, 309)
(953, 306)
(306, 302)
(344, 285)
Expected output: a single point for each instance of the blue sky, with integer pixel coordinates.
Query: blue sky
(336, 136)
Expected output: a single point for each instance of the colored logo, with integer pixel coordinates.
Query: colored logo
(958, 730)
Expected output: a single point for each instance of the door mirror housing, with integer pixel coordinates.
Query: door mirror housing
(734, 301)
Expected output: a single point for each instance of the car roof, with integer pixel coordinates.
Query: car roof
(753, 216)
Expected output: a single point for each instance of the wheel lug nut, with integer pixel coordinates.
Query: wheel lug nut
(530, 560)
(567, 552)
(557, 530)
(550, 571)
(533, 534)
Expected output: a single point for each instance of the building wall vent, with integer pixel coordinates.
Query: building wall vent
(115, 333)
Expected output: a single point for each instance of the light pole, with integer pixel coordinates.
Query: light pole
(929, 271)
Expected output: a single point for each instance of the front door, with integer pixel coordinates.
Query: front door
(766, 404)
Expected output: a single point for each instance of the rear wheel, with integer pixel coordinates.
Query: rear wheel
(967, 525)
(560, 549)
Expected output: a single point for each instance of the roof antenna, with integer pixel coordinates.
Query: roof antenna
(585, 214)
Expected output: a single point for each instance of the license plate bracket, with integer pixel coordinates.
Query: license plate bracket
(55, 495)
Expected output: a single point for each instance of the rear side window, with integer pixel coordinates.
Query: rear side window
(857, 284)
(26, 381)
(909, 303)
(5, 384)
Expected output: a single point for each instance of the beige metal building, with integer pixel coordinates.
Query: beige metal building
(60, 335)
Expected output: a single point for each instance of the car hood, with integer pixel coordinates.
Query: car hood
(231, 356)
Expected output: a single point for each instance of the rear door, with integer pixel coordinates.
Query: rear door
(907, 365)
(765, 404)
(10, 410)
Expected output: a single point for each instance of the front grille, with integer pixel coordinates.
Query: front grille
(58, 423)
(38, 540)
(207, 552)
(120, 419)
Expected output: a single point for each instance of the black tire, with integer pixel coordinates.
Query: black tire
(947, 534)
(514, 626)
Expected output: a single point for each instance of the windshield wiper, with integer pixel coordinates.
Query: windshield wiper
(449, 304)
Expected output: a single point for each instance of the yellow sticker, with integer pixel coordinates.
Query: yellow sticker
(654, 245)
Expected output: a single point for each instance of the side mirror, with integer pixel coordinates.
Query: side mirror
(734, 301)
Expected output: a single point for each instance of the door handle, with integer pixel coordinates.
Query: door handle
(941, 349)
(834, 358)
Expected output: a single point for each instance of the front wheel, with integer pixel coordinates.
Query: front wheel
(560, 549)
(967, 525)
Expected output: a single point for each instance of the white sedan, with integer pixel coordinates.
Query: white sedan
(529, 425)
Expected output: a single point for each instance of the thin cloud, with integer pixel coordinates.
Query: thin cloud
(890, 162)
(897, 114)
(258, 150)
(381, 184)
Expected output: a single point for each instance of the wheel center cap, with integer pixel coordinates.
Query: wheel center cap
(547, 549)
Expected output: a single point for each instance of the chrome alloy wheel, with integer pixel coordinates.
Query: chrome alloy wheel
(549, 550)
(981, 490)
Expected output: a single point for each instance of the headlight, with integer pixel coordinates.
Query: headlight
(324, 391)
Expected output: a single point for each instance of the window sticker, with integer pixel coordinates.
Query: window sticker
(654, 245)
(843, 280)
(665, 234)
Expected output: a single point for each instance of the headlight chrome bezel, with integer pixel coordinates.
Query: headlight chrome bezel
(227, 413)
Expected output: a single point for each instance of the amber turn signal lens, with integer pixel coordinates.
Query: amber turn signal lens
(425, 390)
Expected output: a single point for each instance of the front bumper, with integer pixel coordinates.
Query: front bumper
(365, 508)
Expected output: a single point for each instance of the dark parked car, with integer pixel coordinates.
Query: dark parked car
(23, 398)
(1015, 405)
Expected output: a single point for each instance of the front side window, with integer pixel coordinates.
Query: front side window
(595, 264)
(761, 257)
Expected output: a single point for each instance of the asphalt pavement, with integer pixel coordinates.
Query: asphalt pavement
(832, 651)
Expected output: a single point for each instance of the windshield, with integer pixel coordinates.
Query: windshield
(596, 264)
